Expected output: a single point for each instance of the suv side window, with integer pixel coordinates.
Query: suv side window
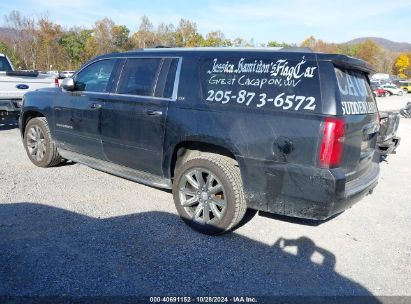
(139, 76)
(148, 77)
(95, 77)
(165, 86)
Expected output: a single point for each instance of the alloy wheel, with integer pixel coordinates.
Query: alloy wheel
(202, 196)
(36, 143)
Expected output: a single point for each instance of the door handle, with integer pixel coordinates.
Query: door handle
(153, 112)
(95, 106)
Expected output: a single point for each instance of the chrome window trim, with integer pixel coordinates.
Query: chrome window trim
(140, 96)
(177, 79)
(82, 93)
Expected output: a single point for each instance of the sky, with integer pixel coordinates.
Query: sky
(280, 20)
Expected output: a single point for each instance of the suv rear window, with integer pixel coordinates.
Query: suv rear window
(355, 92)
(275, 83)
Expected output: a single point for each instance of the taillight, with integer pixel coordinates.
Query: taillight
(56, 82)
(333, 142)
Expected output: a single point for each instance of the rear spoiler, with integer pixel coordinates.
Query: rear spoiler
(347, 62)
(23, 73)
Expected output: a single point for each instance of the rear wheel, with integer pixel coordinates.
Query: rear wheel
(40, 147)
(387, 94)
(208, 194)
(400, 93)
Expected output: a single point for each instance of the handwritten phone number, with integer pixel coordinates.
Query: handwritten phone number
(285, 102)
(190, 299)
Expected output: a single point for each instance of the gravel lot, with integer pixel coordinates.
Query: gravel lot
(76, 231)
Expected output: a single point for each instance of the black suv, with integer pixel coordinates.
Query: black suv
(286, 131)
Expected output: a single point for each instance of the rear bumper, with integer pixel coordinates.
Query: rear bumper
(355, 190)
(8, 111)
(304, 192)
(7, 115)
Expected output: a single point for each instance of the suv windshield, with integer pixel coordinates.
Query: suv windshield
(4, 64)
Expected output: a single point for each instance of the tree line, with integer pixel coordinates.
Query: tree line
(383, 60)
(40, 44)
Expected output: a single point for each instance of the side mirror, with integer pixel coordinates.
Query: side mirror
(68, 84)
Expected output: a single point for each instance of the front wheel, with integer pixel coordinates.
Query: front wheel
(208, 194)
(40, 147)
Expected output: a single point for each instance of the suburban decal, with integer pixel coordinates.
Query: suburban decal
(356, 96)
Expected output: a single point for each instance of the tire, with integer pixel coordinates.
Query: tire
(40, 147)
(212, 178)
(386, 94)
(400, 93)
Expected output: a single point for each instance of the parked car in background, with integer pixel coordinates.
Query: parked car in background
(405, 85)
(53, 73)
(379, 92)
(387, 140)
(65, 74)
(380, 78)
(393, 89)
(406, 111)
(14, 84)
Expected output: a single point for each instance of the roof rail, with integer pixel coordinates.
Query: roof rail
(162, 47)
(135, 50)
(297, 49)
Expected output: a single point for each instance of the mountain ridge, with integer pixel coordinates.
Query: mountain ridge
(385, 43)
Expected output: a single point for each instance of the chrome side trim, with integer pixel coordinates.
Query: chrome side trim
(140, 96)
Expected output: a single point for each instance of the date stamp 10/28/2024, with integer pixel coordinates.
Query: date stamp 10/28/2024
(203, 299)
